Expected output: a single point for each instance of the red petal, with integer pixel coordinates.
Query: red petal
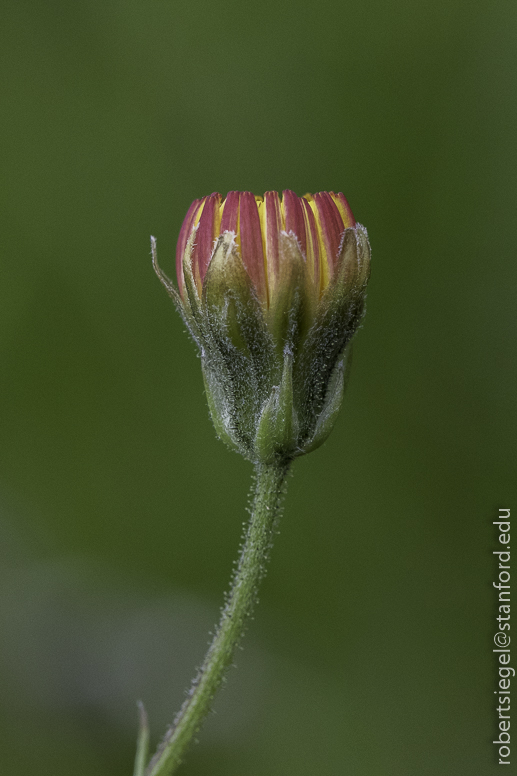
(312, 244)
(251, 243)
(331, 227)
(230, 218)
(186, 228)
(205, 237)
(344, 209)
(294, 220)
(272, 225)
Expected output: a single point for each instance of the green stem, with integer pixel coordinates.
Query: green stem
(238, 607)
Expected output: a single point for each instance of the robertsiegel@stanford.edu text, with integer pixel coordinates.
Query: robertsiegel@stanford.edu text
(502, 638)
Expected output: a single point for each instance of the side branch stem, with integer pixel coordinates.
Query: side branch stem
(239, 604)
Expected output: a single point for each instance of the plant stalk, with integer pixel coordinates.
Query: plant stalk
(239, 604)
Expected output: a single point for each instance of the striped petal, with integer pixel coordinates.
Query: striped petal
(186, 228)
(230, 217)
(344, 208)
(312, 246)
(330, 228)
(294, 218)
(204, 245)
(250, 243)
(270, 212)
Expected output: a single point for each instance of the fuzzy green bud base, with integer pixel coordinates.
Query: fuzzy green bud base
(274, 374)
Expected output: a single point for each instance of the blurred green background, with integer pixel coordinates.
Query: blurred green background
(121, 514)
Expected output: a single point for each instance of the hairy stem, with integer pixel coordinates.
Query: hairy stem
(239, 604)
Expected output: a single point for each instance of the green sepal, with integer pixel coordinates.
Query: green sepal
(219, 405)
(353, 265)
(290, 304)
(333, 401)
(162, 277)
(228, 295)
(337, 319)
(277, 428)
(235, 335)
(183, 309)
(192, 302)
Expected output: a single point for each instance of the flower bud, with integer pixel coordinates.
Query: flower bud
(272, 290)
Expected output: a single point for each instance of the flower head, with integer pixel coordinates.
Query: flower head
(316, 222)
(272, 289)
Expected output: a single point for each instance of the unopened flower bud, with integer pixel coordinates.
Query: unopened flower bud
(272, 290)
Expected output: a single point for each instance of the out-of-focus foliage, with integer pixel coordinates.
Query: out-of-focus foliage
(120, 513)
